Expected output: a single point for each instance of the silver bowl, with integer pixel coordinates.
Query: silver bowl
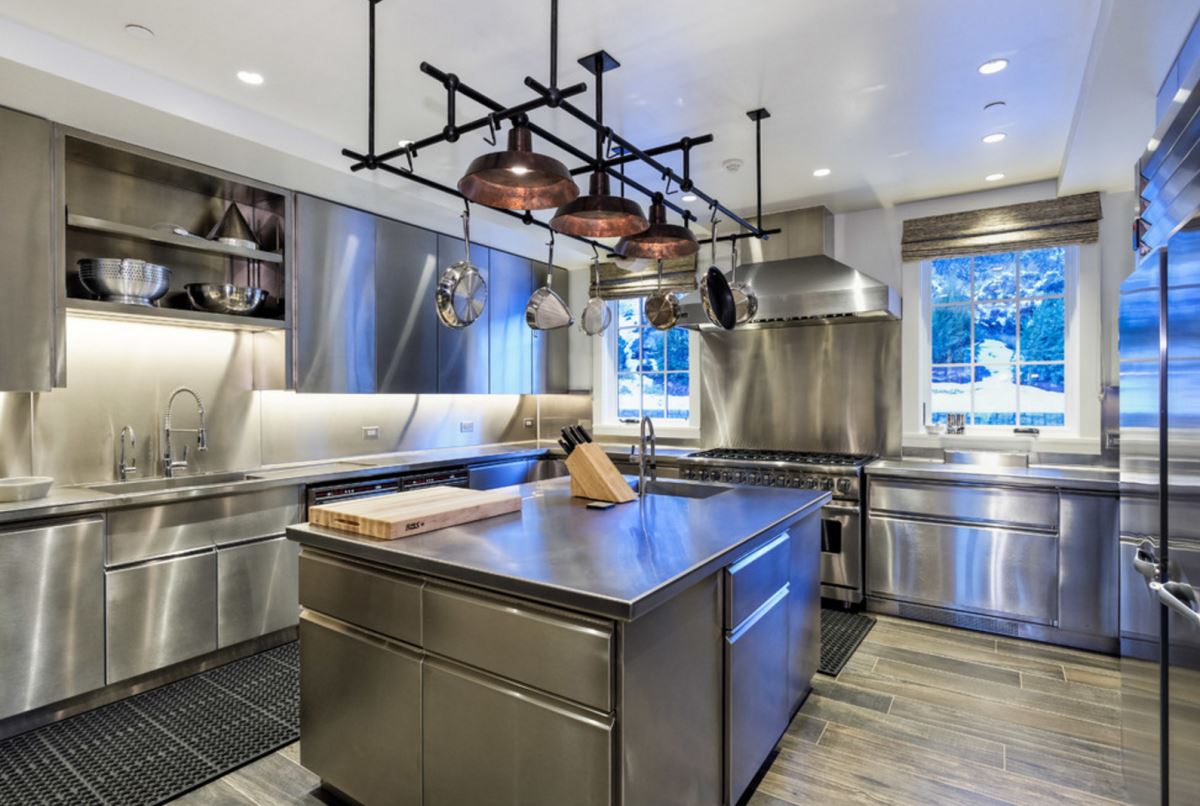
(134, 282)
(233, 299)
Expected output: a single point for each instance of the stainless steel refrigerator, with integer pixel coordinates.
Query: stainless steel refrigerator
(1160, 472)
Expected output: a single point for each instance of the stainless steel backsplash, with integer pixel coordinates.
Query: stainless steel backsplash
(831, 388)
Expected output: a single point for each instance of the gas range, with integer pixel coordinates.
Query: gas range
(839, 473)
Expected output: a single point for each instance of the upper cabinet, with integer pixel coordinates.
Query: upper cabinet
(31, 317)
(406, 322)
(511, 342)
(462, 355)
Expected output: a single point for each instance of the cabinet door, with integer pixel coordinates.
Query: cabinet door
(335, 292)
(406, 323)
(360, 712)
(551, 348)
(257, 590)
(30, 318)
(463, 353)
(511, 339)
(489, 741)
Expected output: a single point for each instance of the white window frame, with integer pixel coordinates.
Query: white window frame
(604, 386)
(1073, 377)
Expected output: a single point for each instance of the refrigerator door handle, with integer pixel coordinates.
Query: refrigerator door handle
(1145, 560)
(1180, 597)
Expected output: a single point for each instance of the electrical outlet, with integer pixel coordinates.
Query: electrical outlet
(1114, 440)
(529, 422)
(466, 427)
(370, 432)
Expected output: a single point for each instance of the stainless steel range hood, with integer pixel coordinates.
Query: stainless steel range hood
(807, 287)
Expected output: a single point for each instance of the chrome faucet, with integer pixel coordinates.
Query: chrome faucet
(127, 469)
(652, 441)
(170, 465)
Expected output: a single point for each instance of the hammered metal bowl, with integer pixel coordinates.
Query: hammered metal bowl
(134, 282)
(225, 298)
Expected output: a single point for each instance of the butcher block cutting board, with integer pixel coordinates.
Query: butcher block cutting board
(387, 517)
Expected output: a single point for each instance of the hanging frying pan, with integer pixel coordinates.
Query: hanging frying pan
(661, 308)
(745, 301)
(715, 293)
(461, 293)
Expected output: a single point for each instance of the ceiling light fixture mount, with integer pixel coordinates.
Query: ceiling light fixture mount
(993, 66)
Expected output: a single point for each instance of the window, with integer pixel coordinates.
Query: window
(644, 371)
(998, 338)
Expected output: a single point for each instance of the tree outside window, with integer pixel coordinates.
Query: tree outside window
(651, 368)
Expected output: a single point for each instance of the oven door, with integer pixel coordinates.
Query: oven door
(841, 551)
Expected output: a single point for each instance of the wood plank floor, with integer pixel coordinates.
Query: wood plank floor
(922, 714)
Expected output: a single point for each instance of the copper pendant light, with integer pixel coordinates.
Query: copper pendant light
(517, 178)
(600, 214)
(661, 241)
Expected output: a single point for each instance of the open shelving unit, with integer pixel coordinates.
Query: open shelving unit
(195, 242)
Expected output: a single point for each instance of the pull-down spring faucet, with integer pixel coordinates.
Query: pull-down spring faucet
(170, 465)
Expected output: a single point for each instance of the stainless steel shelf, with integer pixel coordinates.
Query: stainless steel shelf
(172, 316)
(170, 239)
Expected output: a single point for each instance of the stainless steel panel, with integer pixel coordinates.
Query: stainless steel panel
(754, 579)
(406, 323)
(551, 348)
(384, 602)
(160, 613)
(335, 297)
(462, 355)
(502, 474)
(804, 607)
(360, 712)
(966, 504)
(30, 318)
(570, 656)
(757, 692)
(842, 551)
(51, 613)
(985, 570)
(16, 424)
(510, 339)
(1140, 605)
(1089, 538)
(145, 532)
(257, 591)
(487, 741)
(789, 388)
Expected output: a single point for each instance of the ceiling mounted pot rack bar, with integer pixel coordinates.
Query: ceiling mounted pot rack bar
(554, 97)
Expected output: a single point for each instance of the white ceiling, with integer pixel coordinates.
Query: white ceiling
(883, 92)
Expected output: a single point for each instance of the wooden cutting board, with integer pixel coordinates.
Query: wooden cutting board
(387, 517)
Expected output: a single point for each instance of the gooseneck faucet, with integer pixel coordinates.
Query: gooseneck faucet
(127, 469)
(170, 465)
(646, 426)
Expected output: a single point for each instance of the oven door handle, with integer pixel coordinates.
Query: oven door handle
(844, 506)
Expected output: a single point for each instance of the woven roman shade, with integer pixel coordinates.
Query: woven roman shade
(1053, 222)
(679, 275)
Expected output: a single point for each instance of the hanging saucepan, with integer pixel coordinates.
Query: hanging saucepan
(596, 315)
(745, 301)
(661, 309)
(715, 293)
(546, 310)
(461, 293)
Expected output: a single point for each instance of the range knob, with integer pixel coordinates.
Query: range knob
(843, 486)
(827, 483)
(704, 475)
(725, 475)
(753, 478)
(689, 474)
(810, 482)
(737, 477)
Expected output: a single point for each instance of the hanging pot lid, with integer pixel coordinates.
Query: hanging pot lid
(518, 178)
(600, 214)
(661, 241)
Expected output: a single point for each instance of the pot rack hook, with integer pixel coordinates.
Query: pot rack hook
(490, 138)
(466, 222)
(668, 191)
(595, 252)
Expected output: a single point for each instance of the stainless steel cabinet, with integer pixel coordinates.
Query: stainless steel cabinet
(360, 713)
(463, 353)
(31, 215)
(256, 589)
(490, 741)
(51, 613)
(406, 323)
(335, 291)
(551, 348)
(160, 612)
(804, 615)
(501, 474)
(511, 340)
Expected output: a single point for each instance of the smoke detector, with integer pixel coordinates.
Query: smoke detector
(733, 165)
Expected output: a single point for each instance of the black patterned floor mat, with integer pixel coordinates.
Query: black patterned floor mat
(841, 633)
(154, 747)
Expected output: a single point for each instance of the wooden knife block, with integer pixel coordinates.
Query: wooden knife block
(594, 476)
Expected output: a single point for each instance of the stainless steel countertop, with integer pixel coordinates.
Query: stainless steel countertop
(1090, 479)
(616, 563)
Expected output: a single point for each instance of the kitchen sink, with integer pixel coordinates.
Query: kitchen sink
(683, 489)
(175, 483)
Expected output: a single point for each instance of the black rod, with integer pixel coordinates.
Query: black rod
(554, 43)
(758, 165)
(666, 148)
(371, 84)
(599, 108)
(741, 236)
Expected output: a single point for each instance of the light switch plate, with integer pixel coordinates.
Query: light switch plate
(370, 432)
(466, 427)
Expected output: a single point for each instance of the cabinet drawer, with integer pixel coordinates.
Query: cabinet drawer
(754, 579)
(570, 656)
(377, 600)
(256, 589)
(1000, 505)
(999, 572)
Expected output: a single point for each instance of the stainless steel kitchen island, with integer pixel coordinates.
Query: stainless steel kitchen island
(650, 653)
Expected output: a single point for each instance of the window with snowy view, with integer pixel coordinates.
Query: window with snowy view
(652, 370)
(998, 336)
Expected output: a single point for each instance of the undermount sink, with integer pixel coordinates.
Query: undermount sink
(175, 483)
(683, 489)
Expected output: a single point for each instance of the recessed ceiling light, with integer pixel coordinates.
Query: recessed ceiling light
(994, 137)
(139, 31)
(822, 172)
(993, 177)
(250, 77)
(403, 143)
(1153, 144)
(688, 198)
(993, 66)
(1181, 95)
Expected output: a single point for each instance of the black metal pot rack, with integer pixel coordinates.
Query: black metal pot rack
(621, 153)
